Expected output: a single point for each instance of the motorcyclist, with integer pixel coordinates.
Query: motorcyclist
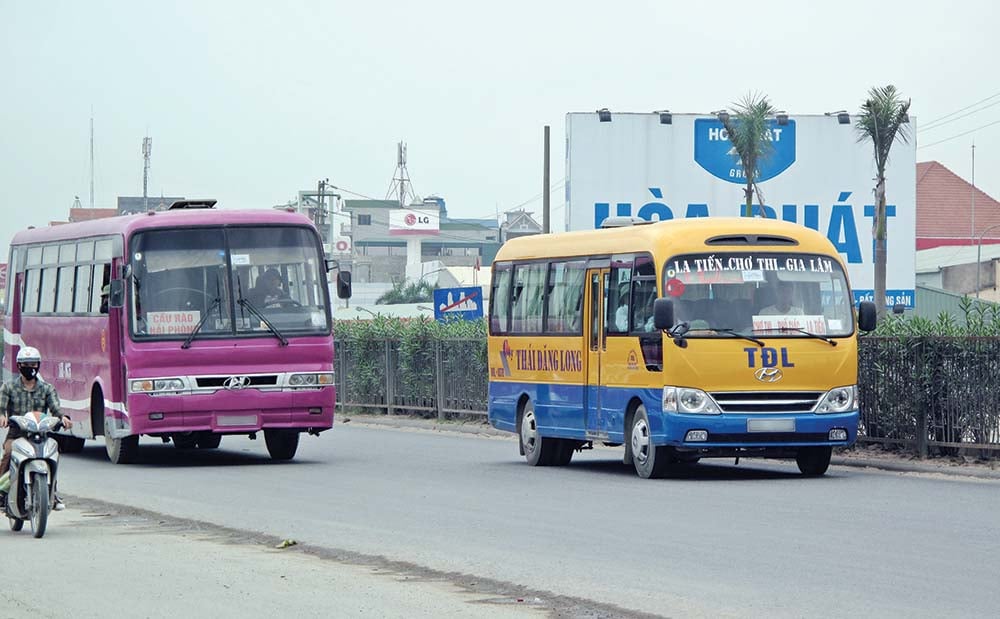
(22, 395)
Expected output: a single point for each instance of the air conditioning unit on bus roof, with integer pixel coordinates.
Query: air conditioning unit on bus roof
(186, 204)
(623, 221)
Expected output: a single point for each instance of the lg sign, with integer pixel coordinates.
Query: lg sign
(413, 221)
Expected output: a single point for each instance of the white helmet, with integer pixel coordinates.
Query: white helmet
(29, 354)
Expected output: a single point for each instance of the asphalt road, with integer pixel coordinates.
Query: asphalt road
(753, 540)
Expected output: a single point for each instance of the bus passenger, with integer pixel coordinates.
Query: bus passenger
(783, 306)
(25, 394)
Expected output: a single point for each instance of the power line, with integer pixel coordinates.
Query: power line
(964, 108)
(958, 135)
(941, 124)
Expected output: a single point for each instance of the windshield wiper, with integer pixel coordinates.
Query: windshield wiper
(803, 331)
(256, 312)
(681, 329)
(190, 338)
(736, 333)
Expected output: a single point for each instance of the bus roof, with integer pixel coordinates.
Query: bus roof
(677, 236)
(127, 224)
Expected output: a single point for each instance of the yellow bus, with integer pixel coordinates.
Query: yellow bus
(685, 339)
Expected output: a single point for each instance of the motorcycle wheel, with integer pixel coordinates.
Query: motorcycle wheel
(39, 505)
(16, 524)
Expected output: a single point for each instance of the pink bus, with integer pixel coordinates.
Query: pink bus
(185, 344)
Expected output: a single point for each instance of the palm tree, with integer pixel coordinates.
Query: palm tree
(883, 120)
(750, 136)
(403, 292)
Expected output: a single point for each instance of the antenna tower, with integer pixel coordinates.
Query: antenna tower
(401, 187)
(147, 151)
(91, 158)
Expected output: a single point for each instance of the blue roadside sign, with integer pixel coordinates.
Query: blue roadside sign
(458, 303)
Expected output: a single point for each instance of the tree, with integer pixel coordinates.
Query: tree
(750, 134)
(883, 120)
(402, 292)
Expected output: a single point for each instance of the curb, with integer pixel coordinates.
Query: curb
(483, 429)
(906, 466)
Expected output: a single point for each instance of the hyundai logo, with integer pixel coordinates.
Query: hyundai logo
(768, 375)
(235, 383)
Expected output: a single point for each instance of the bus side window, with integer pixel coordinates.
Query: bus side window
(619, 293)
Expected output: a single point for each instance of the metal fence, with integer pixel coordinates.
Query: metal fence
(439, 377)
(937, 395)
(927, 395)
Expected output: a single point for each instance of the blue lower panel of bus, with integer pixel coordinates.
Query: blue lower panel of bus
(756, 430)
(571, 411)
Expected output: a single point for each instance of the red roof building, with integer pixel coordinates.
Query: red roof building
(88, 214)
(944, 209)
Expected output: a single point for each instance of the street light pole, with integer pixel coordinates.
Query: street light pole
(979, 256)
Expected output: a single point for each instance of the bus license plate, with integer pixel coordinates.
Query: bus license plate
(770, 425)
(236, 420)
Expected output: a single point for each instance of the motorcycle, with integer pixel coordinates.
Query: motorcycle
(34, 462)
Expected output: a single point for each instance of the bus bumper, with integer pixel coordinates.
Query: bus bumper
(226, 412)
(729, 431)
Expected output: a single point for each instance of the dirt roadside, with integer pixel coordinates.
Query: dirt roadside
(872, 457)
(116, 560)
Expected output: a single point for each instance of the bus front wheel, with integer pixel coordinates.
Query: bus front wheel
(120, 450)
(813, 461)
(650, 461)
(281, 444)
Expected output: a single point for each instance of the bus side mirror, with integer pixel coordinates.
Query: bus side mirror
(344, 284)
(331, 264)
(663, 314)
(116, 296)
(867, 316)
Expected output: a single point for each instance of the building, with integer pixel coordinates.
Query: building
(129, 205)
(391, 243)
(945, 213)
(957, 225)
(519, 223)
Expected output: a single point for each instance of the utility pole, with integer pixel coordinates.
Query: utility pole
(319, 215)
(545, 185)
(147, 151)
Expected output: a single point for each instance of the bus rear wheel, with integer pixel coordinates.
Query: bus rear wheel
(209, 441)
(650, 461)
(281, 444)
(539, 450)
(813, 461)
(184, 441)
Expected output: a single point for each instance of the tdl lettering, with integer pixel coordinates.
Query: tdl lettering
(841, 228)
(769, 357)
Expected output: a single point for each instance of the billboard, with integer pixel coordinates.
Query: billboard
(414, 221)
(818, 174)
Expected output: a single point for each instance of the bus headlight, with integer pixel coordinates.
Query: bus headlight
(321, 379)
(156, 385)
(839, 400)
(688, 401)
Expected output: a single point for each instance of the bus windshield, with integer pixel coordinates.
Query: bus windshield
(183, 278)
(759, 293)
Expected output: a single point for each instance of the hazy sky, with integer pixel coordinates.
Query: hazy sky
(249, 103)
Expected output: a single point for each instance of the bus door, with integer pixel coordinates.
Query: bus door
(596, 343)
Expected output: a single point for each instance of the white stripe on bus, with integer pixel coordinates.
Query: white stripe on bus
(14, 339)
